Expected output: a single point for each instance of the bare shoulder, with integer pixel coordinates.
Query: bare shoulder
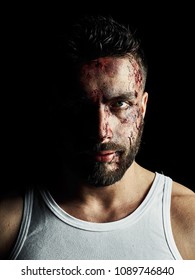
(183, 201)
(183, 219)
(11, 209)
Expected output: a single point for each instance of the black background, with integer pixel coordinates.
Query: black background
(168, 36)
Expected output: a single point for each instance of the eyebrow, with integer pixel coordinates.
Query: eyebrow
(123, 96)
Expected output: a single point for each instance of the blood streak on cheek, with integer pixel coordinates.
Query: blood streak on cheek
(136, 119)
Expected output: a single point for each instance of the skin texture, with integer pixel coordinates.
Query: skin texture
(114, 88)
(112, 96)
(103, 138)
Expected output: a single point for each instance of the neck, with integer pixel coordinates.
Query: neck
(109, 195)
(114, 201)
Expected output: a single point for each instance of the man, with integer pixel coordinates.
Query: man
(104, 205)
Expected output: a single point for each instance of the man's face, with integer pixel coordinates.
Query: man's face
(106, 120)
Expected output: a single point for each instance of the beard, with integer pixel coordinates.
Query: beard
(101, 174)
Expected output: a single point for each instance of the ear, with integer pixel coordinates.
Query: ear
(144, 103)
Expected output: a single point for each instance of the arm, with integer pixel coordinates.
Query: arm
(11, 209)
(183, 220)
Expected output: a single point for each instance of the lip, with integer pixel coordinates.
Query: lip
(105, 156)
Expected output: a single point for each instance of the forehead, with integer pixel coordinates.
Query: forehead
(111, 74)
(110, 66)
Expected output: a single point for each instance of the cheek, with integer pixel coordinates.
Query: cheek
(130, 122)
(132, 117)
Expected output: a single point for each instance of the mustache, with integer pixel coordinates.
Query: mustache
(104, 147)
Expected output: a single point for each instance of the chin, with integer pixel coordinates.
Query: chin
(102, 176)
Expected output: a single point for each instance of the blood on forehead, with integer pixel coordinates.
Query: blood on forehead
(137, 73)
(105, 65)
(111, 74)
(96, 76)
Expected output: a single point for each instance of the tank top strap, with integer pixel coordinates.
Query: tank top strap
(167, 218)
(25, 223)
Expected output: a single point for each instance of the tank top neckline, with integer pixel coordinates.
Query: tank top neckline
(107, 226)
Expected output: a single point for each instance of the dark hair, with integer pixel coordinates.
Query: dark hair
(91, 37)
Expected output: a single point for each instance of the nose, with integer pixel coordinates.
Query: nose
(104, 124)
(94, 123)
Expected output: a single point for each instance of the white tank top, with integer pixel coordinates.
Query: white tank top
(48, 232)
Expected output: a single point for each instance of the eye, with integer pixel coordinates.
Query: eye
(119, 104)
